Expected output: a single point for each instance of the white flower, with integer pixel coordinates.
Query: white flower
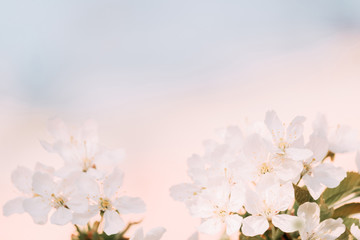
(218, 206)
(317, 175)
(50, 195)
(287, 141)
(80, 149)
(265, 203)
(341, 139)
(21, 177)
(311, 227)
(355, 231)
(259, 161)
(153, 234)
(109, 205)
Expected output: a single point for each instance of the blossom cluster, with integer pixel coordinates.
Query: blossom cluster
(85, 188)
(268, 181)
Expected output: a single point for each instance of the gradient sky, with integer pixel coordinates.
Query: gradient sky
(160, 77)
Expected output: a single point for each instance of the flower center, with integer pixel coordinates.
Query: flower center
(283, 145)
(57, 201)
(265, 168)
(105, 204)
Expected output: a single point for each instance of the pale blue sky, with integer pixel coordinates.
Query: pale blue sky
(60, 54)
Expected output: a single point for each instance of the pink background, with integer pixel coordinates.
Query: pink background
(161, 100)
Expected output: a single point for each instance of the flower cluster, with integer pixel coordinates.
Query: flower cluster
(267, 181)
(85, 188)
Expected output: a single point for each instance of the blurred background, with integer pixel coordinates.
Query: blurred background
(160, 77)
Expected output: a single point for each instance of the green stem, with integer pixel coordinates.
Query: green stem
(273, 232)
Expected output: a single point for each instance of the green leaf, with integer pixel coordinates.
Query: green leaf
(325, 211)
(243, 237)
(350, 221)
(346, 210)
(349, 185)
(302, 195)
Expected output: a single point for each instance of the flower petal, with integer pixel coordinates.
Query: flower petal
(21, 178)
(138, 235)
(233, 223)
(310, 213)
(355, 231)
(113, 222)
(298, 154)
(13, 206)
(275, 126)
(330, 229)
(58, 129)
(344, 139)
(314, 186)
(61, 216)
(155, 233)
(329, 175)
(211, 226)
(38, 208)
(254, 225)
(287, 223)
(113, 182)
(43, 184)
(295, 129)
(127, 205)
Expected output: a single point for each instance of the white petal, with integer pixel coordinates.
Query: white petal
(237, 199)
(330, 229)
(43, 184)
(295, 129)
(78, 203)
(39, 167)
(183, 191)
(314, 186)
(21, 177)
(285, 197)
(310, 213)
(254, 225)
(89, 131)
(113, 222)
(344, 139)
(355, 231)
(58, 130)
(274, 125)
(47, 146)
(320, 125)
(287, 223)
(127, 205)
(329, 175)
(319, 145)
(61, 216)
(298, 154)
(13, 206)
(202, 208)
(233, 223)
(83, 218)
(38, 208)
(113, 182)
(252, 202)
(288, 169)
(255, 148)
(138, 235)
(211, 226)
(155, 233)
(86, 184)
